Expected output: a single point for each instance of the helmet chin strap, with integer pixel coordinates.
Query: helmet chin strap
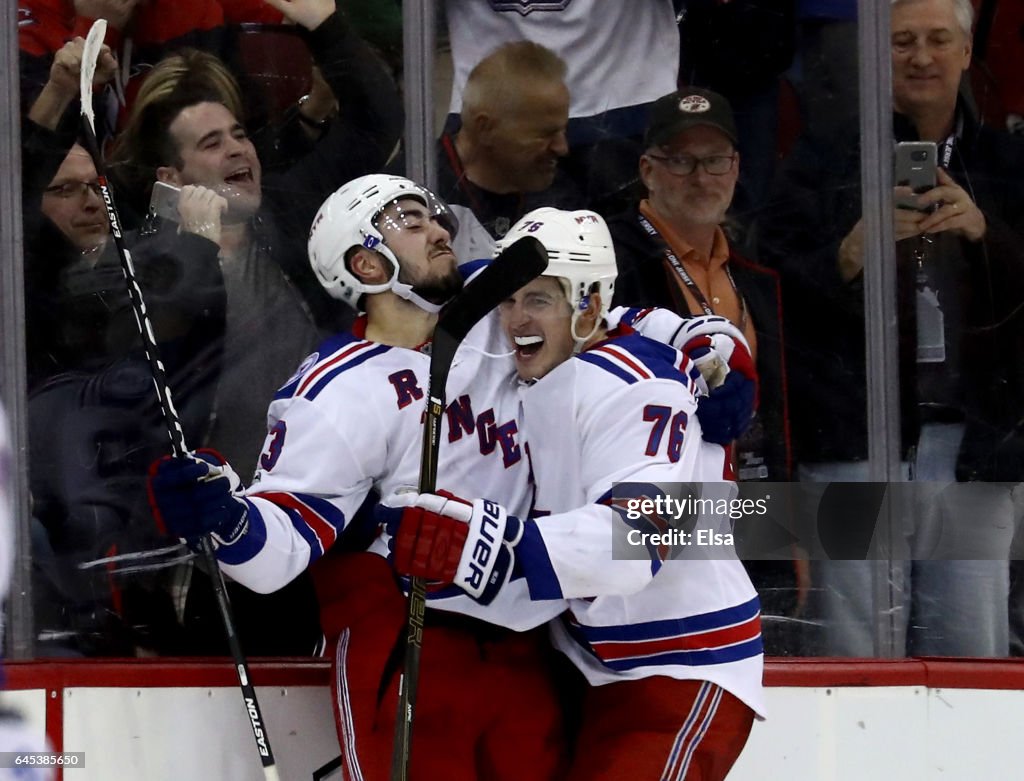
(401, 289)
(579, 341)
(405, 291)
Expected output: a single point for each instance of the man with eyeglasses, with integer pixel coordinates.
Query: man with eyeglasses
(673, 253)
(73, 203)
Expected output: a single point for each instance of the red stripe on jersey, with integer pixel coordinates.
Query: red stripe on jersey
(316, 374)
(623, 356)
(322, 528)
(698, 641)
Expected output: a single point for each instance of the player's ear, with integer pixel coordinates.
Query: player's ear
(589, 317)
(369, 267)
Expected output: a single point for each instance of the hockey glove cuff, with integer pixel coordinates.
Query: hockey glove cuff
(440, 537)
(196, 495)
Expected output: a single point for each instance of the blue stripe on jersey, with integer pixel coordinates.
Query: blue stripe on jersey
(676, 626)
(734, 653)
(316, 548)
(250, 543)
(608, 366)
(633, 315)
(327, 348)
(659, 359)
(471, 267)
(533, 563)
(324, 381)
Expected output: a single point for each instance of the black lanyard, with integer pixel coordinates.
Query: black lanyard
(687, 280)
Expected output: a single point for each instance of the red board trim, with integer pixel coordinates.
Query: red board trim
(949, 673)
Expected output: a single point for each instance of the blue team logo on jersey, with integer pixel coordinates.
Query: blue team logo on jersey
(524, 7)
(304, 367)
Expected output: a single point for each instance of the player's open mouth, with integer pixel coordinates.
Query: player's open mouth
(528, 346)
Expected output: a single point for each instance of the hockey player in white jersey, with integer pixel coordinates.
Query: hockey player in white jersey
(672, 648)
(348, 423)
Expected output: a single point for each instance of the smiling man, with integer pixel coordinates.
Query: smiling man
(602, 409)
(186, 128)
(673, 252)
(503, 160)
(960, 282)
(348, 423)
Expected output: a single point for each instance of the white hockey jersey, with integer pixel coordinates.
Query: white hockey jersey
(618, 54)
(349, 421)
(622, 413)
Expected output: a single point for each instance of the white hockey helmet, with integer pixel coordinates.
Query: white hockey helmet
(348, 219)
(580, 252)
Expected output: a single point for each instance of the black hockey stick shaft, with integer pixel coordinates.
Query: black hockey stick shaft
(174, 430)
(516, 266)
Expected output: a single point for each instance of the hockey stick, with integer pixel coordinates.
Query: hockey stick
(89, 57)
(513, 268)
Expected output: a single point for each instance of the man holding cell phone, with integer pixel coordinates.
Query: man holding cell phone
(960, 285)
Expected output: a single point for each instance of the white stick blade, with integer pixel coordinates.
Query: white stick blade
(90, 54)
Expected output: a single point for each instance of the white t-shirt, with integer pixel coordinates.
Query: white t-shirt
(618, 53)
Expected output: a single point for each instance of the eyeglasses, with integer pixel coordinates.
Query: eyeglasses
(73, 189)
(684, 165)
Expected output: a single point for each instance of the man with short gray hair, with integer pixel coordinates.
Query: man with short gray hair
(960, 282)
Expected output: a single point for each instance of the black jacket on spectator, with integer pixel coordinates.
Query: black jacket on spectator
(642, 282)
(815, 203)
(94, 422)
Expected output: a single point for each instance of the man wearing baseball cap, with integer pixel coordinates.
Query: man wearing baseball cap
(673, 253)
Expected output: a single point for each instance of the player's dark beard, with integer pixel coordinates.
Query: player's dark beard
(439, 291)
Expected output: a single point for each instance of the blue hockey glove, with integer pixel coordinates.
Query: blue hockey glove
(196, 495)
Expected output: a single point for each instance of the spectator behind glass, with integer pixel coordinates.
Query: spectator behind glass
(72, 202)
(65, 222)
(960, 281)
(89, 409)
(620, 57)
(672, 253)
(183, 132)
(503, 161)
(139, 32)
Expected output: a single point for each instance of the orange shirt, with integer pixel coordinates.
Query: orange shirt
(708, 274)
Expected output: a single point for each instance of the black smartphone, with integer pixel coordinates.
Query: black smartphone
(914, 167)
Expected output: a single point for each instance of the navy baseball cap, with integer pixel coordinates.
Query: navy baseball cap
(680, 110)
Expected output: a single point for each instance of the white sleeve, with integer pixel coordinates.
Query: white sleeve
(312, 478)
(644, 434)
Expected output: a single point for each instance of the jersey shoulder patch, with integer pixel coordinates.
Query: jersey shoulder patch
(333, 357)
(633, 358)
